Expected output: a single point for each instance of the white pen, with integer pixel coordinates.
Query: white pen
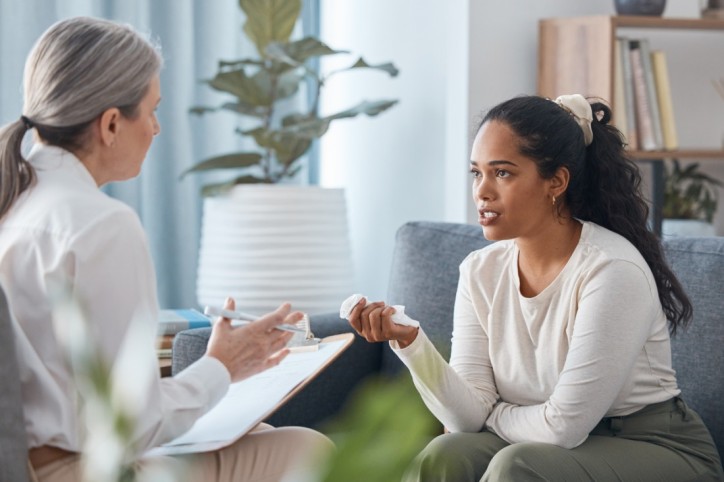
(246, 318)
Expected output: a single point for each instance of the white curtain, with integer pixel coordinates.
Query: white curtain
(194, 35)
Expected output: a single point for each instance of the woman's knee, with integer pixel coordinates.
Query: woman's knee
(446, 457)
(445, 447)
(305, 440)
(521, 461)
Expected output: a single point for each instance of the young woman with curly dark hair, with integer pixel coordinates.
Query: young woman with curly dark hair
(561, 358)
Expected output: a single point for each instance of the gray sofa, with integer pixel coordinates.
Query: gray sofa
(424, 278)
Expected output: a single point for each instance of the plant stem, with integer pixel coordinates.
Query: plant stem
(315, 105)
(268, 165)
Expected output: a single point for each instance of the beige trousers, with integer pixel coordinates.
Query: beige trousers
(266, 454)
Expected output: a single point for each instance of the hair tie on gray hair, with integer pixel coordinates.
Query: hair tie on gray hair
(28, 123)
(580, 109)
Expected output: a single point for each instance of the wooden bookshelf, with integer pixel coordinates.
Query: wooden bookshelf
(679, 154)
(576, 55)
(633, 21)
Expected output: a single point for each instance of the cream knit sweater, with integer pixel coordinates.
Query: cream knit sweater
(594, 343)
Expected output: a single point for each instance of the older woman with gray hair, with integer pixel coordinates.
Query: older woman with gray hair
(91, 89)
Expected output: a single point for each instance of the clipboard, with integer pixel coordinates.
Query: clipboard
(250, 401)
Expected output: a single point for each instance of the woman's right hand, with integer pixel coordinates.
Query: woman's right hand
(251, 349)
(373, 322)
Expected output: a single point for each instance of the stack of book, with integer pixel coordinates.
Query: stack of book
(170, 322)
(642, 96)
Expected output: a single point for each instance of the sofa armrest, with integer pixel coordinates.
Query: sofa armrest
(326, 394)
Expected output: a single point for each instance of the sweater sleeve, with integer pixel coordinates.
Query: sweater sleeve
(615, 311)
(114, 282)
(462, 393)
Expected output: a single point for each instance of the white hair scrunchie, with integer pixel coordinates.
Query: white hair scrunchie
(580, 109)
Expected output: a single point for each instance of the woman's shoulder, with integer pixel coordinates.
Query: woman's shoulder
(499, 252)
(64, 208)
(603, 245)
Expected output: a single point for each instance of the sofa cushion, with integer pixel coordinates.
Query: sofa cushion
(424, 277)
(698, 352)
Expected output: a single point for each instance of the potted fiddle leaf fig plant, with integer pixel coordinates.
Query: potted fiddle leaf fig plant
(258, 86)
(266, 240)
(690, 201)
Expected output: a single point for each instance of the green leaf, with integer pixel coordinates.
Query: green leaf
(237, 107)
(224, 187)
(228, 161)
(235, 64)
(288, 84)
(297, 52)
(270, 20)
(365, 107)
(245, 109)
(286, 146)
(311, 128)
(294, 118)
(689, 193)
(276, 51)
(249, 90)
(200, 110)
(379, 433)
(386, 67)
(290, 150)
(689, 170)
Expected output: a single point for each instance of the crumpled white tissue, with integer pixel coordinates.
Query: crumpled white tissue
(399, 317)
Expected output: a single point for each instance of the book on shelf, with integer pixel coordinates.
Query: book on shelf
(651, 92)
(164, 342)
(644, 116)
(164, 352)
(619, 97)
(663, 94)
(170, 322)
(628, 93)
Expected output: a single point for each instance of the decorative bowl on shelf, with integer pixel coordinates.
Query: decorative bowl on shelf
(640, 7)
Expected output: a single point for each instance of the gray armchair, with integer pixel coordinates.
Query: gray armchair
(13, 441)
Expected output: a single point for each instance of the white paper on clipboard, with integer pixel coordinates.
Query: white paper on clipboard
(250, 401)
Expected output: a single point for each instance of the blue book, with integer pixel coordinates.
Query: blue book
(171, 322)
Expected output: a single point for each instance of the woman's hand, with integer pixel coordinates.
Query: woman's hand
(374, 323)
(251, 349)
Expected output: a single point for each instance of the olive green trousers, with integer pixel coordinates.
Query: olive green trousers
(662, 442)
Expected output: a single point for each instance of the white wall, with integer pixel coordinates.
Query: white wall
(457, 59)
(392, 166)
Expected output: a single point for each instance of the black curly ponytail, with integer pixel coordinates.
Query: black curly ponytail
(604, 187)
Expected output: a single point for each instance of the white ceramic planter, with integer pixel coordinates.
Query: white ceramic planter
(686, 227)
(267, 244)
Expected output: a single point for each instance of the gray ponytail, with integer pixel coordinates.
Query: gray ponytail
(78, 69)
(16, 174)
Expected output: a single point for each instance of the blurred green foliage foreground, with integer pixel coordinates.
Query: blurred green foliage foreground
(381, 430)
